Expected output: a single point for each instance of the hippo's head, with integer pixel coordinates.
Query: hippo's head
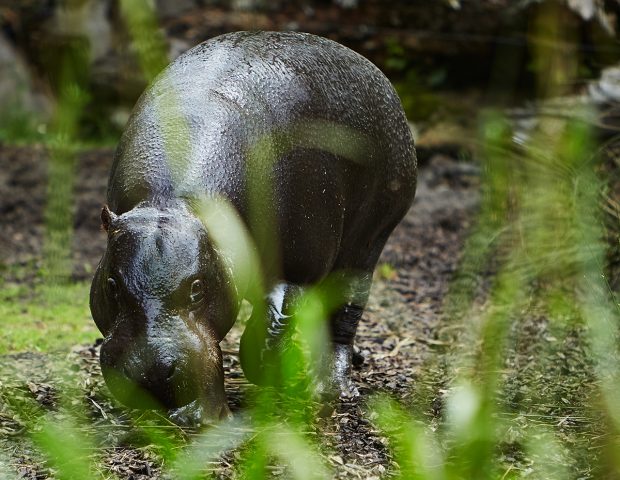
(162, 300)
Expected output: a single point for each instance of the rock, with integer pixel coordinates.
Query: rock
(607, 88)
(585, 8)
(88, 19)
(605, 95)
(18, 95)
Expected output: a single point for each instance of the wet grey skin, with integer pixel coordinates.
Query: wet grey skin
(324, 133)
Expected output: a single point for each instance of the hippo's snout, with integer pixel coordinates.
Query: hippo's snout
(171, 375)
(145, 381)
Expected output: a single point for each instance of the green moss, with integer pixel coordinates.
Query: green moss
(45, 318)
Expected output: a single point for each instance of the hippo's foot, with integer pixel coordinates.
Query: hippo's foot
(195, 414)
(335, 376)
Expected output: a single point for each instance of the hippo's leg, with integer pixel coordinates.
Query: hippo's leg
(267, 332)
(335, 377)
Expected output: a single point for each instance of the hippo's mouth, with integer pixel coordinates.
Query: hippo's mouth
(196, 414)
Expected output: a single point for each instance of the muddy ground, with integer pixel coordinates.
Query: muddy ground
(402, 337)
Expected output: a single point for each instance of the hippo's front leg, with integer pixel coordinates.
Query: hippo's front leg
(267, 333)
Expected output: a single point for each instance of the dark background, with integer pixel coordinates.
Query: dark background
(442, 55)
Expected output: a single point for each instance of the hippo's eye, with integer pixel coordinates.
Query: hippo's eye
(197, 292)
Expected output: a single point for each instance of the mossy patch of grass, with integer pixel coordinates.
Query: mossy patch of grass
(44, 318)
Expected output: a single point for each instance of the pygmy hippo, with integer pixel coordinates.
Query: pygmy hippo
(323, 133)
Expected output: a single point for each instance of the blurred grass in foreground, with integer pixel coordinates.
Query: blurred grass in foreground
(515, 406)
(539, 231)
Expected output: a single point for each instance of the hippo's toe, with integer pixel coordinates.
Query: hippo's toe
(195, 414)
(335, 380)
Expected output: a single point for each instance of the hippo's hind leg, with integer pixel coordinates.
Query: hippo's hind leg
(266, 334)
(335, 377)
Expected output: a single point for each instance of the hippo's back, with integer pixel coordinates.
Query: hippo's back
(193, 128)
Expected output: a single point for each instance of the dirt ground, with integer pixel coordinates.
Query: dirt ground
(396, 335)
(22, 209)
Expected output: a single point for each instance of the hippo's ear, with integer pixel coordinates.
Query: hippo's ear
(107, 217)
